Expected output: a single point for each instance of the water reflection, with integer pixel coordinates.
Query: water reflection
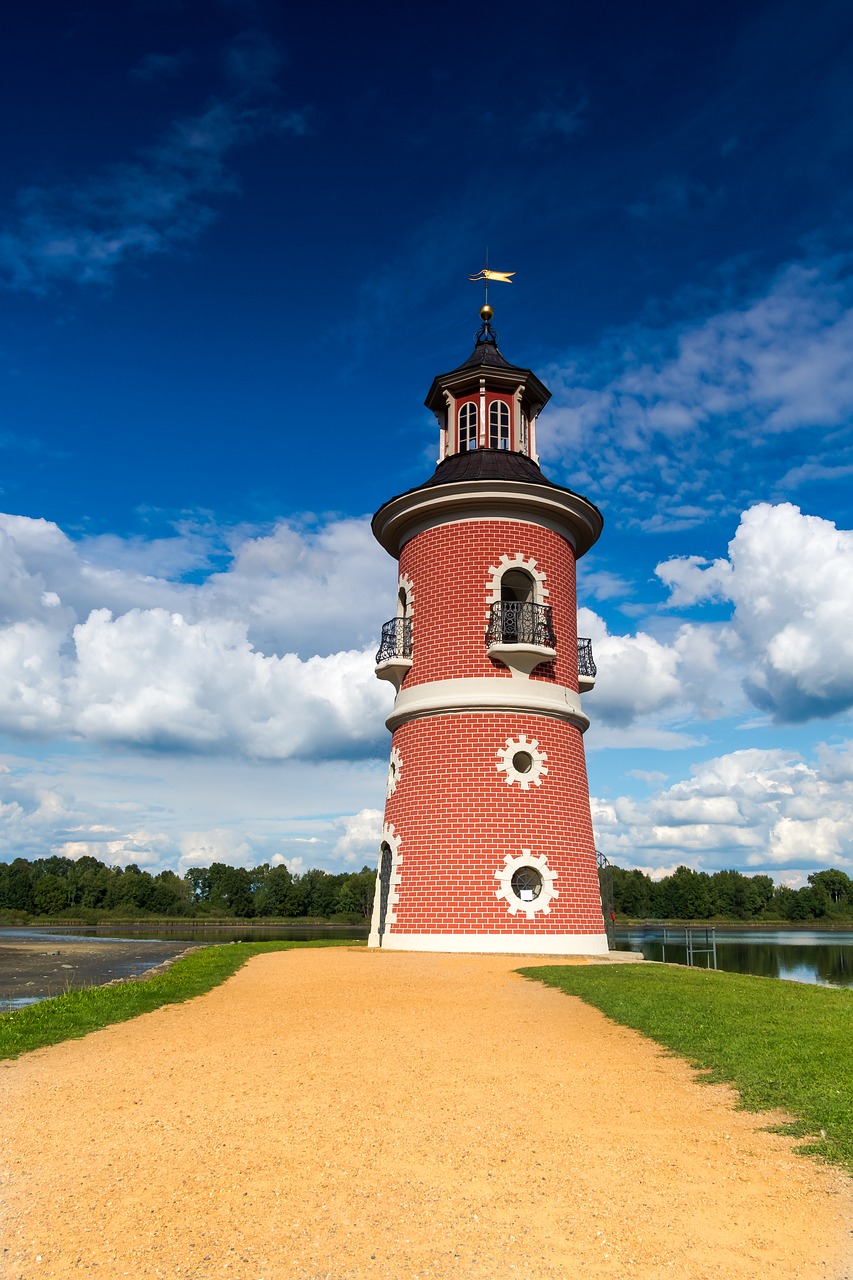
(825, 959)
(196, 933)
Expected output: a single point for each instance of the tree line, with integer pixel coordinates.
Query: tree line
(698, 895)
(57, 887)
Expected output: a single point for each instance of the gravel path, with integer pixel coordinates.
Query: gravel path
(350, 1113)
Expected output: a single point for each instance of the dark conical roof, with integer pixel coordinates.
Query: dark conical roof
(486, 352)
(486, 357)
(488, 464)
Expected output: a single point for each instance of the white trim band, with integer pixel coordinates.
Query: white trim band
(488, 693)
(552, 944)
(567, 513)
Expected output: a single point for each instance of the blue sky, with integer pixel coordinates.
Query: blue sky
(234, 248)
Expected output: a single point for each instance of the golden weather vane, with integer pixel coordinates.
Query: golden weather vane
(487, 275)
(503, 277)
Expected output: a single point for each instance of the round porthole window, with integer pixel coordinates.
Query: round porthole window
(526, 884)
(522, 762)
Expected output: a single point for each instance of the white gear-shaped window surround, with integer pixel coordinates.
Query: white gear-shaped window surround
(516, 562)
(527, 884)
(522, 762)
(405, 596)
(395, 768)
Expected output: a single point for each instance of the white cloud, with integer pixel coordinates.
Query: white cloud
(759, 809)
(178, 811)
(644, 685)
(149, 205)
(362, 833)
(788, 576)
(118, 656)
(658, 420)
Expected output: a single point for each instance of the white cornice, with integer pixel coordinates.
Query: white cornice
(488, 693)
(526, 944)
(560, 510)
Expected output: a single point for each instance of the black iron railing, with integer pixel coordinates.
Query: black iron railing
(520, 622)
(396, 640)
(586, 665)
(605, 885)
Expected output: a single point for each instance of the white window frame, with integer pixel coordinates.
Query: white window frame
(467, 420)
(499, 425)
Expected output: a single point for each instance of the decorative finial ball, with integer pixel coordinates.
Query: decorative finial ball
(486, 313)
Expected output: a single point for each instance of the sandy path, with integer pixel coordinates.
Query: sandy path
(345, 1113)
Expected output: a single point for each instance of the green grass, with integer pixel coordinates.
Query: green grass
(74, 1014)
(782, 1045)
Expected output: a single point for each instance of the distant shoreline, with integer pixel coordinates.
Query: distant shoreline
(823, 925)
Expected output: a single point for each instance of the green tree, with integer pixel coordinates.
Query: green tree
(276, 896)
(685, 895)
(355, 894)
(50, 895)
(632, 893)
(16, 889)
(231, 889)
(837, 884)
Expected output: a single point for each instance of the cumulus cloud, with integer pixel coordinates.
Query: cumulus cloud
(788, 576)
(117, 656)
(645, 684)
(181, 810)
(766, 810)
(362, 833)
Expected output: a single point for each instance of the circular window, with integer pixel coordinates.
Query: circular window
(523, 762)
(526, 884)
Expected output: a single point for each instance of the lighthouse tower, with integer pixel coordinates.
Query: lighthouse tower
(487, 842)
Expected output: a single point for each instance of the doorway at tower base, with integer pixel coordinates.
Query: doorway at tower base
(563, 944)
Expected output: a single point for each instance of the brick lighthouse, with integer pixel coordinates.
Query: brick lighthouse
(487, 842)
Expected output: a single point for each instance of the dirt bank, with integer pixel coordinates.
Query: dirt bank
(47, 966)
(350, 1113)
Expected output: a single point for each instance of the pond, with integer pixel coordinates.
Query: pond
(38, 963)
(192, 931)
(795, 955)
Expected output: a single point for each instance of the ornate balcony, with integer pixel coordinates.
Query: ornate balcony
(520, 635)
(586, 665)
(394, 655)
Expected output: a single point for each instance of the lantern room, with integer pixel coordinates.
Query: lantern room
(487, 403)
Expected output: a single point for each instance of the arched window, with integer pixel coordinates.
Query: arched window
(498, 425)
(467, 427)
(518, 585)
(385, 866)
(518, 596)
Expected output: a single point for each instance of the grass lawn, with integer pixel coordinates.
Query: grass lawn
(72, 1015)
(783, 1045)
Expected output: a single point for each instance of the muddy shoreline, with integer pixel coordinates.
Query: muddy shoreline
(36, 968)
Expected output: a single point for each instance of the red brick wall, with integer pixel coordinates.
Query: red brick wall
(449, 567)
(457, 818)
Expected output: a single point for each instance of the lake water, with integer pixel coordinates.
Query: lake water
(795, 955)
(38, 963)
(194, 932)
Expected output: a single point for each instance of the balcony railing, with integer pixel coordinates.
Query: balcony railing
(396, 640)
(520, 622)
(586, 665)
